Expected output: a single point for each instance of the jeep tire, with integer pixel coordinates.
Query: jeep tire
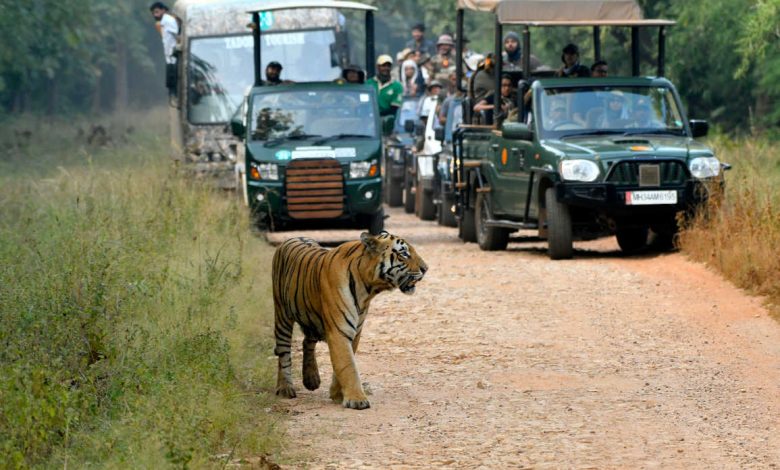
(408, 194)
(559, 229)
(488, 238)
(394, 192)
(424, 206)
(445, 216)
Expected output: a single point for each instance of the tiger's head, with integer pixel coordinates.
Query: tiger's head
(397, 262)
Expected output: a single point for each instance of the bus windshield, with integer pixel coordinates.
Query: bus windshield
(315, 113)
(221, 68)
(568, 112)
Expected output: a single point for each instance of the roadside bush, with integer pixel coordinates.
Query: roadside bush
(739, 234)
(131, 303)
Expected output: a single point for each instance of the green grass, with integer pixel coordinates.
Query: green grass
(739, 233)
(135, 307)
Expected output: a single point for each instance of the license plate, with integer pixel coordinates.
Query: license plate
(649, 198)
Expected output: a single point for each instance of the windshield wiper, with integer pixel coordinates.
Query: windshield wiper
(654, 131)
(279, 140)
(599, 132)
(342, 136)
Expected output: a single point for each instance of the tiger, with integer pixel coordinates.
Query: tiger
(327, 293)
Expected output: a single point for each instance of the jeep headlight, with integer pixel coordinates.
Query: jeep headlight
(363, 169)
(264, 171)
(579, 170)
(704, 167)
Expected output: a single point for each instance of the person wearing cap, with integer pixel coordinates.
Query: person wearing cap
(272, 73)
(389, 92)
(571, 67)
(443, 62)
(512, 57)
(419, 43)
(168, 27)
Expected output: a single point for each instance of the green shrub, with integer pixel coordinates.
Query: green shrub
(129, 309)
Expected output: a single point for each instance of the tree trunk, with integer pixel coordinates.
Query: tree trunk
(52, 96)
(120, 80)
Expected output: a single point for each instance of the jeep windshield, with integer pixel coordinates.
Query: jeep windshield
(313, 114)
(220, 68)
(569, 112)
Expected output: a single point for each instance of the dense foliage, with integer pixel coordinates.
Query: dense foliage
(93, 55)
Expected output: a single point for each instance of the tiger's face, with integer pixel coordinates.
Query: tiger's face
(398, 263)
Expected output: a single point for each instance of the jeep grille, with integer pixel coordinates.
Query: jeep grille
(314, 189)
(648, 173)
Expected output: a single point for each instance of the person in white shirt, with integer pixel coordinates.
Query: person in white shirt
(169, 30)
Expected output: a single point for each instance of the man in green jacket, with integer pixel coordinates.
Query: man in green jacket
(389, 91)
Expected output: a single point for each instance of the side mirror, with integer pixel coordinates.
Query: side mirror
(699, 127)
(409, 126)
(438, 134)
(516, 131)
(419, 129)
(237, 127)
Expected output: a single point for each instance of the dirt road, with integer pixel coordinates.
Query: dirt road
(510, 360)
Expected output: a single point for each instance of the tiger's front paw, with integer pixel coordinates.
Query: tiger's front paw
(311, 379)
(286, 391)
(356, 403)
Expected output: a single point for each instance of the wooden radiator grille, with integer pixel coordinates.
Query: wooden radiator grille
(315, 189)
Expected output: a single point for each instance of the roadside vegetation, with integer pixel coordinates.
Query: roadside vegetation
(135, 306)
(739, 233)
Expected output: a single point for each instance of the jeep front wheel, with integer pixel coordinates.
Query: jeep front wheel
(559, 230)
(488, 238)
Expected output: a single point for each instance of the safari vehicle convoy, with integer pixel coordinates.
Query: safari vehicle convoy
(313, 148)
(215, 72)
(585, 157)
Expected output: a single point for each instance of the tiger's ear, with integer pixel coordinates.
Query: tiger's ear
(369, 241)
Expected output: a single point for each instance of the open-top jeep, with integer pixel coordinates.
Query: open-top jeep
(313, 148)
(585, 157)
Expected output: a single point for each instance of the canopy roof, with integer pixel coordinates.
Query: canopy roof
(565, 12)
(291, 4)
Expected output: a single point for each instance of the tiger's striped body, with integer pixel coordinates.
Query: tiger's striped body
(327, 292)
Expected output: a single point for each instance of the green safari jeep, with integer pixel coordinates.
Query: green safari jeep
(595, 156)
(313, 153)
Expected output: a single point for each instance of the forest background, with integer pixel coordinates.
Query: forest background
(97, 56)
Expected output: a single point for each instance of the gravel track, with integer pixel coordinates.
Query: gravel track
(510, 360)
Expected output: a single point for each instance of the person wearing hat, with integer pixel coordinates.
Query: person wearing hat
(615, 113)
(419, 43)
(352, 74)
(443, 62)
(389, 92)
(513, 54)
(571, 63)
